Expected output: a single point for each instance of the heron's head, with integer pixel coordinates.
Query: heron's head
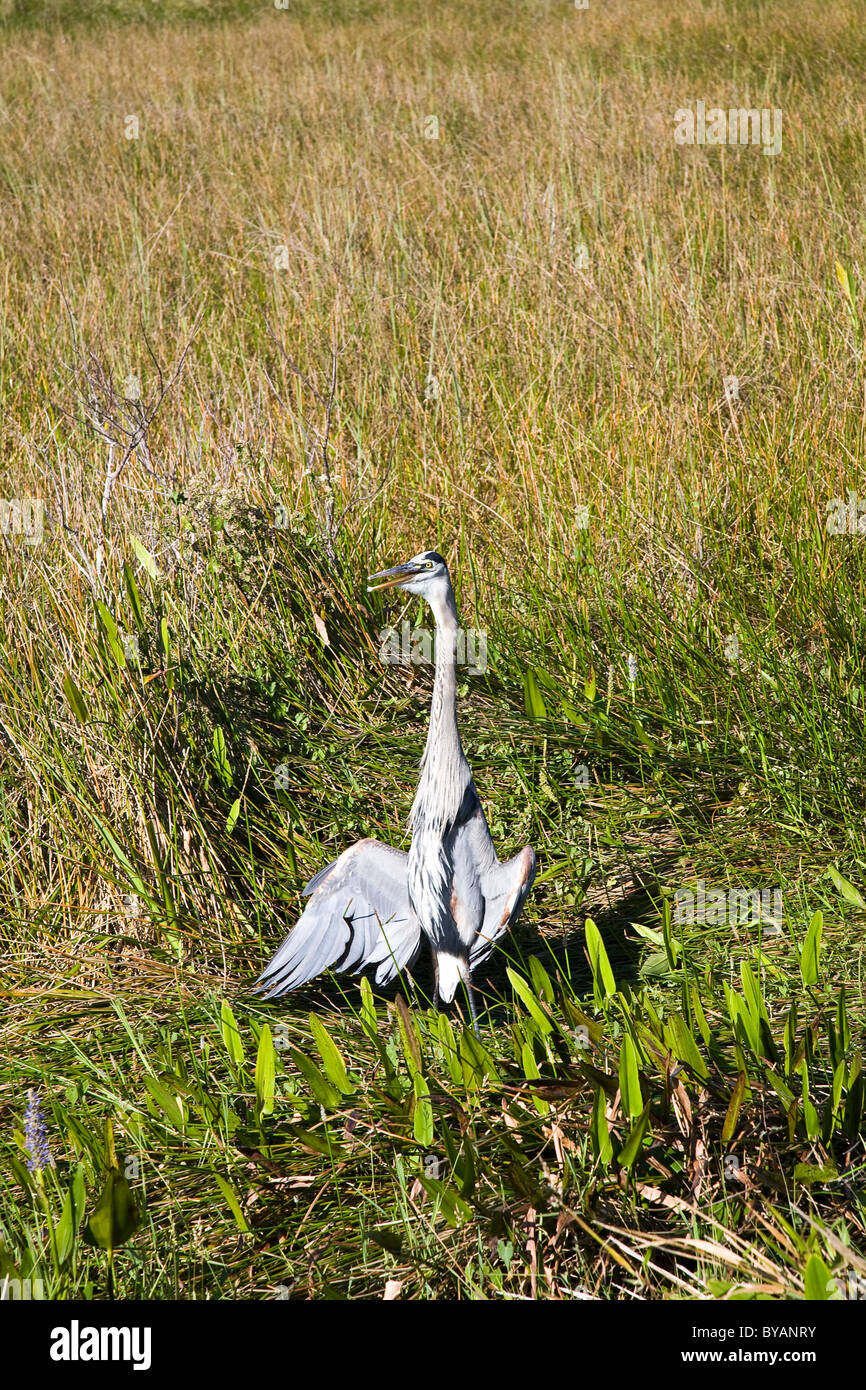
(425, 574)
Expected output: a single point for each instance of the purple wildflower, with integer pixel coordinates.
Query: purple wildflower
(36, 1135)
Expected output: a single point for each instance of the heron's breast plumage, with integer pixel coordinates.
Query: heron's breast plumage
(444, 879)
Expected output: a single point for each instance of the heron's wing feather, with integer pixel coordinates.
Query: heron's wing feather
(319, 878)
(358, 917)
(505, 888)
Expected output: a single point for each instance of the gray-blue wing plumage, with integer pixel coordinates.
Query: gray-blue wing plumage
(482, 897)
(358, 918)
(505, 887)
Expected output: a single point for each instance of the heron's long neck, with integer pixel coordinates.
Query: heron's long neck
(445, 771)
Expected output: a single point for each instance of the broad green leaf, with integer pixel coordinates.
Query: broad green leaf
(145, 558)
(785, 1094)
(324, 1092)
(733, 1110)
(531, 1069)
(816, 1280)
(483, 1062)
(449, 1046)
(742, 1020)
(609, 1084)
(752, 992)
(233, 1203)
(642, 735)
(573, 715)
(220, 757)
(523, 991)
(810, 956)
(681, 1041)
(109, 627)
(231, 1034)
(266, 1071)
(757, 1011)
(856, 1069)
(540, 980)
(231, 818)
(422, 1119)
(648, 933)
(317, 1143)
(168, 1103)
(655, 965)
(109, 1152)
(629, 1079)
(70, 1218)
(843, 1027)
(369, 1017)
(76, 699)
(810, 1114)
(790, 1037)
(386, 1239)
(853, 1114)
(115, 1217)
(447, 1201)
(846, 889)
(332, 1058)
(599, 1130)
(133, 594)
(473, 1067)
(634, 1143)
(838, 1083)
(604, 985)
(535, 706)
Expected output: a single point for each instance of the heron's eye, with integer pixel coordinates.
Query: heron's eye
(429, 564)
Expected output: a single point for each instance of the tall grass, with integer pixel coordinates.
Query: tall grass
(263, 333)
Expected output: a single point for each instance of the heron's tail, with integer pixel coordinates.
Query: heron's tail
(452, 970)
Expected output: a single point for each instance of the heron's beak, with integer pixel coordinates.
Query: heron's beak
(390, 578)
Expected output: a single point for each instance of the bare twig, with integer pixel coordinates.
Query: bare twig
(124, 422)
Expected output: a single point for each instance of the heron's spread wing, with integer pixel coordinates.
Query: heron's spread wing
(505, 888)
(358, 917)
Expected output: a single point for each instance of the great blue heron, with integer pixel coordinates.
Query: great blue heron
(370, 907)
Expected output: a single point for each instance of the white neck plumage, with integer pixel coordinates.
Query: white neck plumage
(444, 770)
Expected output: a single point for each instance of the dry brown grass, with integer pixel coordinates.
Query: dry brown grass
(457, 257)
